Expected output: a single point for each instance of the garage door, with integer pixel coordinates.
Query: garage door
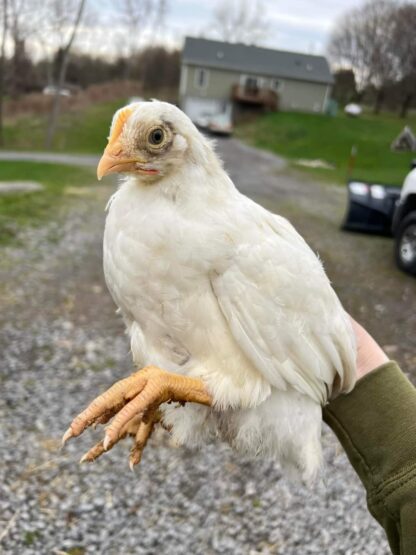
(197, 107)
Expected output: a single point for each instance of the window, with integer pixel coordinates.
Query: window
(201, 78)
(251, 83)
(276, 85)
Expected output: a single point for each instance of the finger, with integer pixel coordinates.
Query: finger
(93, 453)
(153, 395)
(130, 428)
(107, 416)
(135, 455)
(143, 433)
(106, 405)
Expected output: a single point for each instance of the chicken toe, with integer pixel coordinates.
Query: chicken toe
(143, 433)
(133, 405)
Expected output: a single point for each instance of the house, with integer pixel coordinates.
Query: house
(215, 74)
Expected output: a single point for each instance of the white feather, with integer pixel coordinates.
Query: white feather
(212, 285)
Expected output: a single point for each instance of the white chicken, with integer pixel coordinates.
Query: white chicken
(224, 296)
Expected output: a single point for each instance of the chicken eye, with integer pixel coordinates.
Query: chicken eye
(156, 136)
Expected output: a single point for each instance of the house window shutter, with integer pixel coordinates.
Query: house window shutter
(201, 78)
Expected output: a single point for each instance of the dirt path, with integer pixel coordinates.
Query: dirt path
(61, 343)
(52, 157)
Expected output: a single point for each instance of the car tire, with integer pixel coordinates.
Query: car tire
(405, 247)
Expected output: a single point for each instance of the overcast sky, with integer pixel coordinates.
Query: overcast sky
(300, 25)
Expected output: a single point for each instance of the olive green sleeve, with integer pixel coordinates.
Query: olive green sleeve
(376, 425)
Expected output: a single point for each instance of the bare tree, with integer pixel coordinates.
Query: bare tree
(135, 18)
(403, 38)
(4, 26)
(24, 22)
(347, 49)
(362, 41)
(16, 32)
(132, 15)
(240, 21)
(61, 20)
(378, 18)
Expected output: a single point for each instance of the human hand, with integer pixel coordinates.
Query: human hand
(369, 354)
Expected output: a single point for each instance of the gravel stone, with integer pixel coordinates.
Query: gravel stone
(61, 345)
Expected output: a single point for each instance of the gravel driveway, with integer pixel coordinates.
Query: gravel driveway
(62, 343)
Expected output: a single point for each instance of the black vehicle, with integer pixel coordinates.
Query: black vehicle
(386, 210)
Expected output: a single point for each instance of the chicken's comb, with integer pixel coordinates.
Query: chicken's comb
(120, 118)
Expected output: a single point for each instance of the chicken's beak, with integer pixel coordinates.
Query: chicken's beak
(114, 160)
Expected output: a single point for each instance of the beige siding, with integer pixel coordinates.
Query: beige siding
(218, 85)
(301, 95)
(293, 95)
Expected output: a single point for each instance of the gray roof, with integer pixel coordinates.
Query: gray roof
(259, 61)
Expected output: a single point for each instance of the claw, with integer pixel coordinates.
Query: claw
(132, 403)
(106, 442)
(93, 453)
(135, 456)
(67, 435)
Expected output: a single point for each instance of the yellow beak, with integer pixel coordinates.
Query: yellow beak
(114, 160)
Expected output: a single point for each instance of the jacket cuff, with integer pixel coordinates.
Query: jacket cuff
(376, 425)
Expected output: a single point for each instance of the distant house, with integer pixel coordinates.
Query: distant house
(214, 74)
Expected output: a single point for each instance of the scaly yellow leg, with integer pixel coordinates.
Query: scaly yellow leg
(133, 403)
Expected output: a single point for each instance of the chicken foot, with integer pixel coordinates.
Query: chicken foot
(140, 428)
(133, 405)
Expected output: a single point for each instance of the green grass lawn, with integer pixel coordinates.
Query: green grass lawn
(82, 132)
(311, 136)
(31, 209)
(87, 132)
(291, 134)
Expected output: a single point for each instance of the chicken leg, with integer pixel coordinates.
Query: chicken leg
(134, 403)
